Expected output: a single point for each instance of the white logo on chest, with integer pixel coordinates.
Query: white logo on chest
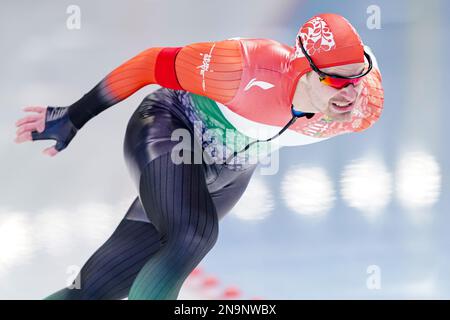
(262, 84)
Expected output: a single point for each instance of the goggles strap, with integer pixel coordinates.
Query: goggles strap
(295, 115)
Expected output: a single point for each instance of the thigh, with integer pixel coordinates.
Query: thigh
(227, 186)
(176, 198)
(150, 130)
(137, 212)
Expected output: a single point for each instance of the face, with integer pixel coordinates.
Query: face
(313, 96)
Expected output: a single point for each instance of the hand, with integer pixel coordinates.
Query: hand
(44, 124)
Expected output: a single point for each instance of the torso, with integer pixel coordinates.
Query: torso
(262, 104)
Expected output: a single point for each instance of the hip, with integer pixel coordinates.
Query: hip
(150, 134)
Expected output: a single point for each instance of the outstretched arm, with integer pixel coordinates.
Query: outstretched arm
(212, 69)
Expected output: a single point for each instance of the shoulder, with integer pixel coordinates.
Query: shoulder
(265, 53)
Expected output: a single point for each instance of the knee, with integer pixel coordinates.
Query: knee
(196, 238)
(207, 238)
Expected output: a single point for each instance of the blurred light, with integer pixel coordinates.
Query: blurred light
(231, 293)
(196, 272)
(367, 186)
(418, 180)
(192, 288)
(422, 289)
(16, 244)
(308, 191)
(256, 203)
(53, 230)
(210, 281)
(97, 221)
(202, 286)
(211, 288)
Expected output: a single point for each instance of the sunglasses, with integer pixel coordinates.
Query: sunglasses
(334, 80)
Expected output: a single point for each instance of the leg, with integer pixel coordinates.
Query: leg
(110, 272)
(178, 202)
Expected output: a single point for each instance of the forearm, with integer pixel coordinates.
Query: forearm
(211, 69)
(116, 86)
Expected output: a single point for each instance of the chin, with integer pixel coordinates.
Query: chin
(340, 117)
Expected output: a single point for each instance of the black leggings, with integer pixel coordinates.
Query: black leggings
(145, 260)
(173, 223)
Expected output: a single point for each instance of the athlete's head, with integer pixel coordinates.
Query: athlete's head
(329, 50)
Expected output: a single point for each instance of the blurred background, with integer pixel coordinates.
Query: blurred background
(357, 216)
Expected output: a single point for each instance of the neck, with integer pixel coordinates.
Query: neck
(300, 100)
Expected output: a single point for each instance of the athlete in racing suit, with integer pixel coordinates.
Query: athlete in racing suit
(240, 86)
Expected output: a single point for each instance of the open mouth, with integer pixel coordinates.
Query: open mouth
(341, 107)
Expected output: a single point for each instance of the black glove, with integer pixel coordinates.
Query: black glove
(57, 127)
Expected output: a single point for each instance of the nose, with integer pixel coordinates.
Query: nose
(349, 92)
